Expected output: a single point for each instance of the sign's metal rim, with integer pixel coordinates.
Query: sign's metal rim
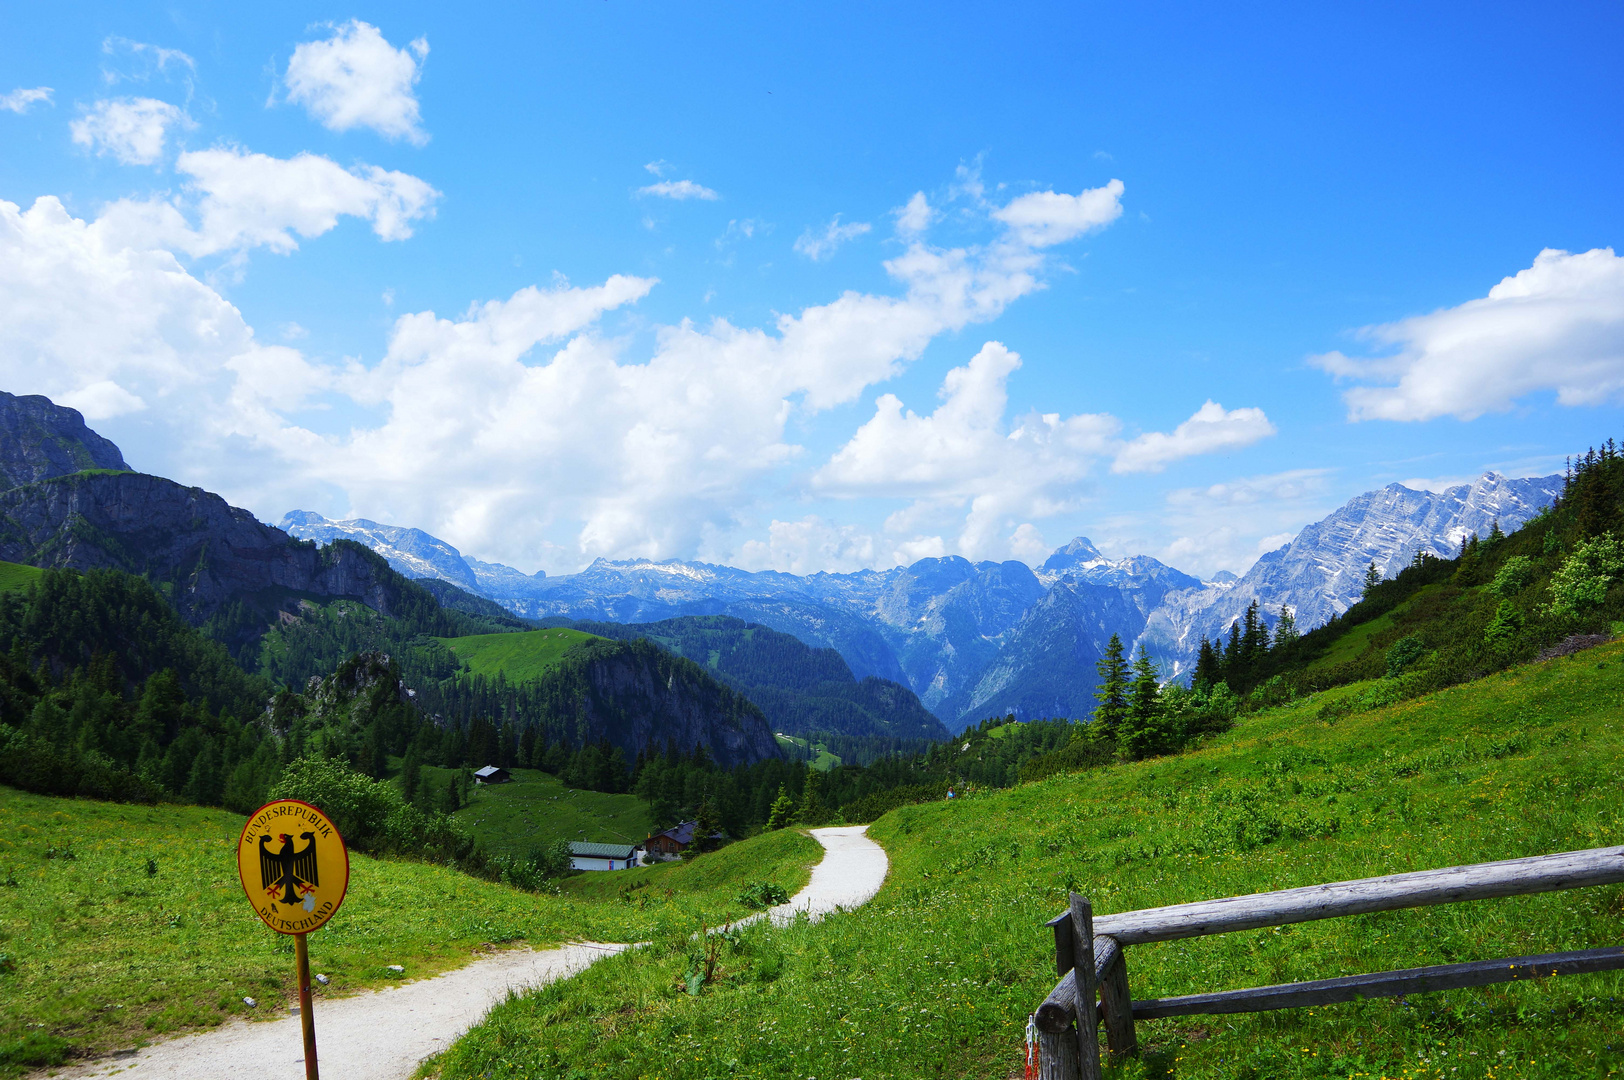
(342, 846)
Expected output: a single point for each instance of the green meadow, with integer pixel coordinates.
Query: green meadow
(936, 976)
(784, 858)
(17, 576)
(825, 759)
(120, 924)
(521, 656)
(536, 808)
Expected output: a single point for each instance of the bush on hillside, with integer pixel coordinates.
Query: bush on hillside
(372, 817)
(1513, 576)
(1581, 583)
(763, 894)
(1403, 653)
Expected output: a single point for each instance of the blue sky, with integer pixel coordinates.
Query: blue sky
(681, 306)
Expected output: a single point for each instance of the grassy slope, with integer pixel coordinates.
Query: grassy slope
(937, 975)
(825, 759)
(100, 955)
(519, 656)
(784, 858)
(536, 808)
(17, 576)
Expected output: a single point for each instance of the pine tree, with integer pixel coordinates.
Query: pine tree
(1141, 732)
(1112, 693)
(1373, 578)
(706, 825)
(411, 774)
(1209, 669)
(1285, 628)
(783, 810)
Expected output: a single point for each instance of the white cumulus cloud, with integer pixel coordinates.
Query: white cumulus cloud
(964, 454)
(1045, 218)
(130, 129)
(515, 429)
(679, 189)
(21, 99)
(819, 245)
(1556, 327)
(244, 200)
(1211, 429)
(355, 78)
(915, 216)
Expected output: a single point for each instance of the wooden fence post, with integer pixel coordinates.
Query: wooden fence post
(1082, 945)
(1057, 1055)
(1115, 1001)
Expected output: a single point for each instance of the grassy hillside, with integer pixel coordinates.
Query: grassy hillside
(784, 858)
(17, 576)
(936, 976)
(824, 759)
(122, 923)
(519, 656)
(537, 808)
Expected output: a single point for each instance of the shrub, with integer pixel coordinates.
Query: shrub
(1505, 625)
(763, 894)
(1584, 577)
(1514, 575)
(359, 805)
(1403, 653)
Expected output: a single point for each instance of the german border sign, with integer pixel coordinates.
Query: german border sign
(294, 868)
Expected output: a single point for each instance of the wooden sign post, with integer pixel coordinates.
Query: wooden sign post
(294, 868)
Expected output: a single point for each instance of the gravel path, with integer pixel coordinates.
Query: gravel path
(383, 1034)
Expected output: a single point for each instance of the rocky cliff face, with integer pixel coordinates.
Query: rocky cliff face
(638, 696)
(204, 552)
(40, 439)
(1321, 573)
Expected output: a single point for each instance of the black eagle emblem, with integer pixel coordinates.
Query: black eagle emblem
(293, 872)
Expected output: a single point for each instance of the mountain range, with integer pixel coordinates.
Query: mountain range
(991, 638)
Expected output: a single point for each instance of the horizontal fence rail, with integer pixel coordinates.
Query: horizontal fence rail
(1382, 984)
(1090, 953)
(1482, 881)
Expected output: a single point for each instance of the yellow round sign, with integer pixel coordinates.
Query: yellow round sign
(293, 866)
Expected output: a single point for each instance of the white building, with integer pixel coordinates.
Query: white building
(584, 856)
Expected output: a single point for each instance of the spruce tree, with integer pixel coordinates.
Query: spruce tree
(1373, 578)
(1141, 733)
(1209, 669)
(411, 775)
(783, 810)
(1285, 628)
(1112, 693)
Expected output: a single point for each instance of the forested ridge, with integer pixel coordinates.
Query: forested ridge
(802, 689)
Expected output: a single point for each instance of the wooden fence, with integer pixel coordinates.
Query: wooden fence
(1090, 956)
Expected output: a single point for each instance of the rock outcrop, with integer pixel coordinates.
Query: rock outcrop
(40, 439)
(203, 552)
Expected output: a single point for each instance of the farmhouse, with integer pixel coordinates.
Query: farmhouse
(491, 774)
(584, 856)
(672, 842)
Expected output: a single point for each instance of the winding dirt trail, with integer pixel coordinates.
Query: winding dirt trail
(384, 1034)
